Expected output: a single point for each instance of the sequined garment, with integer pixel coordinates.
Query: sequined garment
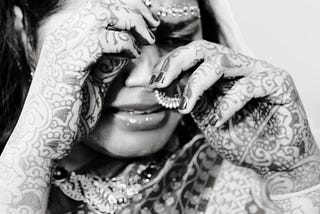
(198, 181)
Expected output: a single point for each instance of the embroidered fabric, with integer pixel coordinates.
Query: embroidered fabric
(109, 195)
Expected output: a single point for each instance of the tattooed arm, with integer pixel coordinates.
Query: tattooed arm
(250, 113)
(49, 122)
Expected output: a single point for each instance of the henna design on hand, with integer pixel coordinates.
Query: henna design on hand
(250, 112)
(50, 120)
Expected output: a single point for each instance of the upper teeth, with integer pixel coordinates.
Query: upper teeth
(137, 112)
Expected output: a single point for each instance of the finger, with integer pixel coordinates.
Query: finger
(118, 44)
(141, 8)
(173, 64)
(151, 18)
(207, 74)
(184, 58)
(236, 63)
(257, 85)
(122, 18)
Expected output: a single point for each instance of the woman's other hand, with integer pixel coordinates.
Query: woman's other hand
(249, 111)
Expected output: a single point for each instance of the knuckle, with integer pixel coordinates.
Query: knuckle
(136, 19)
(286, 75)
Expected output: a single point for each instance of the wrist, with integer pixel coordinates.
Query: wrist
(305, 174)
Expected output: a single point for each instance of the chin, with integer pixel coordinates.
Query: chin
(113, 138)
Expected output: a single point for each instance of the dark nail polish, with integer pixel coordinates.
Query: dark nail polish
(152, 79)
(214, 120)
(138, 49)
(160, 77)
(151, 34)
(155, 17)
(183, 103)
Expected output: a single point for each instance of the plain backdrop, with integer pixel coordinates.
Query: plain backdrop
(287, 34)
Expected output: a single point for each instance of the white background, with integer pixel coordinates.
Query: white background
(287, 34)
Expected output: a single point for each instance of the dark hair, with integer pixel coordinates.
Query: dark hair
(15, 71)
(211, 29)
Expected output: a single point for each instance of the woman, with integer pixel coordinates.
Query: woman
(101, 128)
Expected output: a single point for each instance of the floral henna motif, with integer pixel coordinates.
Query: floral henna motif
(269, 135)
(250, 111)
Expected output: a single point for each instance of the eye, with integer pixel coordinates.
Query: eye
(173, 42)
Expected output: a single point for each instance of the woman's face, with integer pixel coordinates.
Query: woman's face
(132, 122)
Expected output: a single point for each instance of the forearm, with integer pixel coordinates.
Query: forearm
(306, 201)
(44, 133)
(304, 174)
(25, 171)
(24, 179)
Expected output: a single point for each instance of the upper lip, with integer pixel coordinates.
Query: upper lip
(134, 99)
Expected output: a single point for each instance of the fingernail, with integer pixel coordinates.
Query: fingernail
(152, 79)
(183, 103)
(138, 49)
(160, 77)
(214, 120)
(151, 34)
(155, 17)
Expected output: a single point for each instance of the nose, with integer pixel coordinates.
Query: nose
(140, 69)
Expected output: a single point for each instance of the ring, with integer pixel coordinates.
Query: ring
(147, 3)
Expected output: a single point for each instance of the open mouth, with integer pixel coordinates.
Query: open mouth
(138, 110)
(140, 118)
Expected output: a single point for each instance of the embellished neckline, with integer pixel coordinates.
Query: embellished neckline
(105, 194)
(139, 168)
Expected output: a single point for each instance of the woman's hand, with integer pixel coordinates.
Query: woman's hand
(250, 112)
(65, 87)
(104, 30)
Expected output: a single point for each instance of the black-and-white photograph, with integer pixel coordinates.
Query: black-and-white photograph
(159, 107)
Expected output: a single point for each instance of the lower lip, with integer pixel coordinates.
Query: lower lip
(141, 122)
